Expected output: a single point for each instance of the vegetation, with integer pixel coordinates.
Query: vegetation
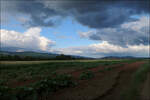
(27, 71)
(31, 92)
(34, 58)
(45, 77)
(86, 75)
(106, 69)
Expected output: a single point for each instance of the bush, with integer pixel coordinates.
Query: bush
(108, 69)
(87, 75)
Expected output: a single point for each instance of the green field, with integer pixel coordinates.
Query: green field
(23, 79)
(17, 70)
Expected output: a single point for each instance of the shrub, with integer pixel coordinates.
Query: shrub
(107, 68)
(86, 75)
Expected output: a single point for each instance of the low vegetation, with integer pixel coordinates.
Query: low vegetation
(30, 71)
(45, 77)
(48, 85)
(86, 75)
(106, 69)
(4, 57)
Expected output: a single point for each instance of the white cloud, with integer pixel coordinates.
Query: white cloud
(137, 25)
(31, 39)
(86, 34)
(105, 49)
(69, 51)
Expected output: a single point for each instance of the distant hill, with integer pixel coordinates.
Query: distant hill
(12, 49)
(18, 49)
(29, 53)
(120, 57)
(22, 52)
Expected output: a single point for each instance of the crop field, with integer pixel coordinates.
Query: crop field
(58, 61)
(123, 79)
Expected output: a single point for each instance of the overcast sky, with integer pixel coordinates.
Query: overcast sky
(94, 28)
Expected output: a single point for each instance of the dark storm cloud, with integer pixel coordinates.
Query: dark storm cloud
(101, 14)
(38, 13)
(129, 33)
(121, 37)
(94, 14)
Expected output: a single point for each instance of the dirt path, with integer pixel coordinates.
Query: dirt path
(106, 86)
(122, 83)
(145, 95)
(88, 89)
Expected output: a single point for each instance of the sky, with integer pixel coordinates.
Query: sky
(96, 28)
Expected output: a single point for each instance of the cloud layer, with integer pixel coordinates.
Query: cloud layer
(129, 33)
(112, 19)
(112, 22)
(105, 49)
(94, 14)
(30, 40)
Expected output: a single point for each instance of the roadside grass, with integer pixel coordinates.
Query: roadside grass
(139, 77)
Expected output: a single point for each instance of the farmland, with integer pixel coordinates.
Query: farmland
(121, 79)
(75, 50)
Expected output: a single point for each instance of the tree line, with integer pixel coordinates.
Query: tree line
(31, 58)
